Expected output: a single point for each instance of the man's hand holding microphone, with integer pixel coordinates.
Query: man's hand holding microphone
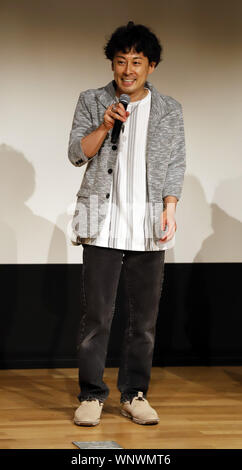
(113, 112)
(113, 118)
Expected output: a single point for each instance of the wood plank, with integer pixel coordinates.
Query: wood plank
(199, 408)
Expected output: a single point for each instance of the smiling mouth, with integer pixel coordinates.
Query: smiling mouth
(128, 81)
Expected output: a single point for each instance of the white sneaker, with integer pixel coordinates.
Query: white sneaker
(88, 413)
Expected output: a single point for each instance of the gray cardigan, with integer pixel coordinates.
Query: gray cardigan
(165, 155)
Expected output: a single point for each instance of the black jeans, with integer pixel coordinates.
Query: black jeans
(143, 275)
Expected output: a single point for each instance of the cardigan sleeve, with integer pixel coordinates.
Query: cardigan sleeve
(81, 126)
(177, 163)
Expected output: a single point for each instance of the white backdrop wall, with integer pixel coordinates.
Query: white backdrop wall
(50, 52)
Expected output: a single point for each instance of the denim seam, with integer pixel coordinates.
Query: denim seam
(163, 273)
(161, 287)
(130, 325)
(84, 303)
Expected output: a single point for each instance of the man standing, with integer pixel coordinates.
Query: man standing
(124, 217)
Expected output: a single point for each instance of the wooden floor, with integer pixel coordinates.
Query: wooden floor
(199, 408)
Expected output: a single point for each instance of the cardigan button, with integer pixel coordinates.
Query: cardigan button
(114, 147)
(107, 195)
(110, 170)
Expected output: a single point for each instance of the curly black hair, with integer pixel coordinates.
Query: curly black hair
(139, 37)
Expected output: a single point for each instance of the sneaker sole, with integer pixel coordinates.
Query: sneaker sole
(86, 423)
(140, 421)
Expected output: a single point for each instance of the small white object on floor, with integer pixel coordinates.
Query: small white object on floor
(97, 445)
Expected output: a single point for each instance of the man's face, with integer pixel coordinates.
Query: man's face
(131, 71)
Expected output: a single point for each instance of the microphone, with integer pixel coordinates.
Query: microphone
(124, 99)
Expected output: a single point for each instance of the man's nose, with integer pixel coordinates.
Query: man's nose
(128, 68)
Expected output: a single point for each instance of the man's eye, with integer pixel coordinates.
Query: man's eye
(120, 62)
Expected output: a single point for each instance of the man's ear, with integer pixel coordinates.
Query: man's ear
(112, 65)
(152, 67)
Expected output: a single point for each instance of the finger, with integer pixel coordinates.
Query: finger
(117, 116)
(119, 108)
(109, 121)
(165, 235)
(109, 114)
(169, 235)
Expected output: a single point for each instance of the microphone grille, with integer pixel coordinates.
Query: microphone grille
(125, 98)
